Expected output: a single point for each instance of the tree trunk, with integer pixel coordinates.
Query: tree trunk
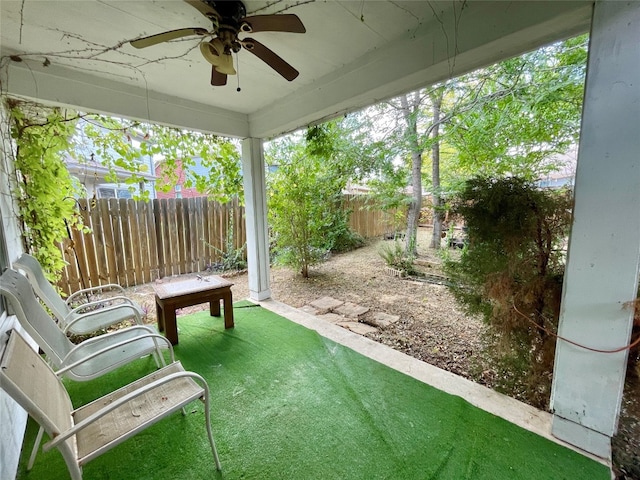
(438, 214)
(410, 111)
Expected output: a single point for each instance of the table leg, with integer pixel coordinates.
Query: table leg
(214, 307)
(159, 316)
(228, 309)
(170, 324)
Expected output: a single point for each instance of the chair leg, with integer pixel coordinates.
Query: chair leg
(158, 356)
(210, 434)
(34, 452)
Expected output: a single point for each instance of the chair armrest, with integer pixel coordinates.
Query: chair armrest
(84, 291)
(82, 316)
(100, 303)
(113, 346)
(124, 399)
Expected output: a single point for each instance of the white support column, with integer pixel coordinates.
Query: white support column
(604, 247)
(255, 196)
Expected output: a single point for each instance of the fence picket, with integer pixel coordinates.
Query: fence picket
(158, 208)
(116, 226)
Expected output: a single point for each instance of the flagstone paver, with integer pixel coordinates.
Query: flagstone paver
(357, 327)
(351, 310)
(346, 314)
(325, 304)
(383, 320)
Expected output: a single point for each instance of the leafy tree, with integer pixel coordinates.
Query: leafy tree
(301, 210)
(305, 191)
(526, 110)
(511, 271)
(510, 118)
(112, 141)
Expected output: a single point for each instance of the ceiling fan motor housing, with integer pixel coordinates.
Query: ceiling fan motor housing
(230, 11)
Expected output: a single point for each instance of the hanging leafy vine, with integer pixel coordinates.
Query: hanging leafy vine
(44, 191)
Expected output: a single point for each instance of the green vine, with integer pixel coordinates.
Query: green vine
(44, 191)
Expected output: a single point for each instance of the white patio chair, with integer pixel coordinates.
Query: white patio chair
(89, 431)
(87, 317)
(87, 360)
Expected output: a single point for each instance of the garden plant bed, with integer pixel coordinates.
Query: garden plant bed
(432, 326)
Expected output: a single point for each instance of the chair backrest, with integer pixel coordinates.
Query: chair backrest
(33, 317)
(27, 379)
(41, 285)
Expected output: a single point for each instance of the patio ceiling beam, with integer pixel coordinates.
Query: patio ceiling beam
(458, 42)
(62, 86)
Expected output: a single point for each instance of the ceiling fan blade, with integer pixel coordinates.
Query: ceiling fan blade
(272, 23)
(203, 8)
(218, 79)
(270, 58)
(166, 36)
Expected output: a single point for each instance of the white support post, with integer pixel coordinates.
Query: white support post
(604, 248)
(255, 196)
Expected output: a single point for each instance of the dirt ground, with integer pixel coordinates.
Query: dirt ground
(432, 327)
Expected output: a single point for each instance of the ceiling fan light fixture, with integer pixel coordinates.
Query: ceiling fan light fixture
(213, 52)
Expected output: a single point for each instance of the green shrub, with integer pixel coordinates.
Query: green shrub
(512, 268)
(305, 212)
(394, 256)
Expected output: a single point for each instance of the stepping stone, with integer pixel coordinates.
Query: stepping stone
(351, 310)
(325, 304)
(332, 317)
(383, 320)
(357, 327)
(309, 309)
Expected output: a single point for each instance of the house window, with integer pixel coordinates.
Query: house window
(178, 191)
(114, 193)
(106, 193)
(124, 193)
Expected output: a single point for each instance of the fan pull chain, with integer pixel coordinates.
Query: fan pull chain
(238, 72)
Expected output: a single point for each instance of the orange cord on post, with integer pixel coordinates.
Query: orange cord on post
(616, 350)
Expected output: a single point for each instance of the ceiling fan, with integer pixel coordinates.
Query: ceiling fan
(228, 18)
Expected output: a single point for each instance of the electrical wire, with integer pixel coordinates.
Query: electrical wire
(591, 349)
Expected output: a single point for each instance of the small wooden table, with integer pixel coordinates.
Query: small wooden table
(173, 295)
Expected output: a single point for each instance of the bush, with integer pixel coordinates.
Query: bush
(394, 256)
(306, 214)
(511, 271)
(341, 238)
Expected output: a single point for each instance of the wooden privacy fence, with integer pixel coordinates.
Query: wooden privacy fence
(132, 242)
(367, 218)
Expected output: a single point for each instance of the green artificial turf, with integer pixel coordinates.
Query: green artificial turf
(290, 404)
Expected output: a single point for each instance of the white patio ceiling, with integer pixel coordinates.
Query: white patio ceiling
(354, 53)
